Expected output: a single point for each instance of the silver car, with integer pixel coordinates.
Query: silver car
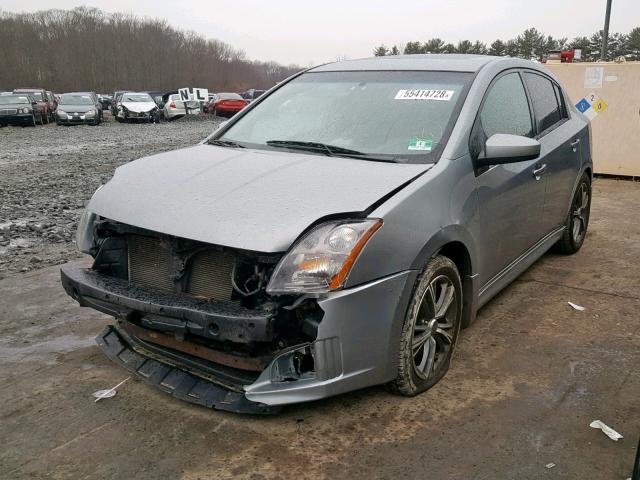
(338, 233)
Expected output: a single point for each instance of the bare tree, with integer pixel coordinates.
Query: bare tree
(88, 49)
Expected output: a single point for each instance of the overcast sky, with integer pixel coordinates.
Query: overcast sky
(306, 33)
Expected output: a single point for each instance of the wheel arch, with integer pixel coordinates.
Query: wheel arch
(455, 243)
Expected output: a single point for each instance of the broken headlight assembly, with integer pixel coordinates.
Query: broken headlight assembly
(85, 235)
(322, 259)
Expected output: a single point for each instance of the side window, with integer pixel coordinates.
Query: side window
(561, 101)
(545, 101)
(506, 109)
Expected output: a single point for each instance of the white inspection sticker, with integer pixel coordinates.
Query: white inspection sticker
(424, 95)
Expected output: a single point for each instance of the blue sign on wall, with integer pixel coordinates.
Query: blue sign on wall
(583, 105)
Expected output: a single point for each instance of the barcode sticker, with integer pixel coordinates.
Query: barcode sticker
(444, 95)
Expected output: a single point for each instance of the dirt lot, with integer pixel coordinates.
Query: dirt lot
(529, 376)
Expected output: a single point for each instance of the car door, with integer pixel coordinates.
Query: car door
(560, 145)
(510, 196)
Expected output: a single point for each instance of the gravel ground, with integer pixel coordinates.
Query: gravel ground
(48, 173)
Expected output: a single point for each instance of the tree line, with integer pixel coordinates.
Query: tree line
(88, 49)
(529, 44)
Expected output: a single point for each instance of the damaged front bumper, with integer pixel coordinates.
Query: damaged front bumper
(355, 346)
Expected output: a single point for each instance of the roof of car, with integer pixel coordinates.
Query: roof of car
(439, 62)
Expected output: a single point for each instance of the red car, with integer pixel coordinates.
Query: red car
(43, 106)
(226, 104)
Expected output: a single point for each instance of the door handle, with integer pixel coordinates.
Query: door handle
(537, 172)
(574, 144)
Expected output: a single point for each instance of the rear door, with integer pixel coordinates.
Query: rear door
(511, 196)
(559, 138)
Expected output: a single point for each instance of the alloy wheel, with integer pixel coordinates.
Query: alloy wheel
(580, 213)
(434, 327)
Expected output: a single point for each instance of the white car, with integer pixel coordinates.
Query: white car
(137, 107)
(175, 108)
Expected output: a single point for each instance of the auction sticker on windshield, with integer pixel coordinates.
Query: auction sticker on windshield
(417, 143)
(424, 95)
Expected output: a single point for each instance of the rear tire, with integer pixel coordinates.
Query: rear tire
(431, 328)
(577, 220)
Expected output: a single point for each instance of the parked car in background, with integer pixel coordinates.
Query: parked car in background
(114, 101)
(156, 95)
(53, 102)
(78, 108)
(226, 104)
(252, 94)
(174, 108)
(21, 109)
(105, 101)
(40, 96)
(137, 107)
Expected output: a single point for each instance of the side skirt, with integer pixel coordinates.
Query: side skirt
(517, 267)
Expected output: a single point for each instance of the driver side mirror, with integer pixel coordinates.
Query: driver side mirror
(503, 148)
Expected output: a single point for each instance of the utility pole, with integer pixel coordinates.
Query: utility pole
(605, 34)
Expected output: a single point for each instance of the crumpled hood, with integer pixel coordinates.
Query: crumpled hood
(257, 200)
(139, 106)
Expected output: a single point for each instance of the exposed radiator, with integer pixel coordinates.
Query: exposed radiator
(153, 264)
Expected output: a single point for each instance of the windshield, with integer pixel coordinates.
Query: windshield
(136, 97)
(6, 99)
(36, 95)
(402, 116)
(76, 100)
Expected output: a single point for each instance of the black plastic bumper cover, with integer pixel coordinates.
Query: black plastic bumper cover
(167, 311)
(170, 379)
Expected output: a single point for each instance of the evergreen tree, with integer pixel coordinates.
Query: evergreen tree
(435, 45)
(478, 48)
(411, 48)
(381, 51)
(464, 46)
(497, 48)
(633, 44)
(531, 44)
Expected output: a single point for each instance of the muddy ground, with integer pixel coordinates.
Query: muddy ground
(528, 378)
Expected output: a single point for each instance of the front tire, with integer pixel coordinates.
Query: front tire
(430, 329)
(577, 220)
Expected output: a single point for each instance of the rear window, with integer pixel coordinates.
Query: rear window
(229, 96)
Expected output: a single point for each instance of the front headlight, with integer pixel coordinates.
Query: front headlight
(321, 260)
(26, 110)
(90, 113)
(85, 233)
(61, 112)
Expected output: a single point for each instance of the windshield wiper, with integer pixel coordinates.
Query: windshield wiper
(329, 150)
(225, 143)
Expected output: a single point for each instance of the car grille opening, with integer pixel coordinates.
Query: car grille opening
(153, 264)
